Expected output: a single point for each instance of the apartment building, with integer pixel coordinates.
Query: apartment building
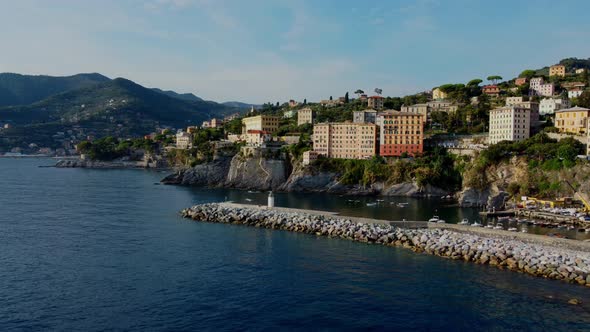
(400, 132)
(509, 123)
(575, 92)
(345, 140)
(491, 90)
(550, 105)
(375, 102)
(442, 106)
(540, 88)
(268, 123)
(305, 115)
(366, 116)
(557, 70)
(215, 123)
(422, 109)
(520, 81)
(572, 120)
(184, 140)
(511, 101)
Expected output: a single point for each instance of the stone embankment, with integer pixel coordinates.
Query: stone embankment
(536, 259)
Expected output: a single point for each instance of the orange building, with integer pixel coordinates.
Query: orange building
(520, 81)
(401, 132)
(491, 90)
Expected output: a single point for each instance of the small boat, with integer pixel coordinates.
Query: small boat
(490, 226)
(436, 219)
(476, 224)
(248, 199)
(503, 218)
(587, 230)
(499, 226)
(522, 221)
(465, 221)
(380, 200)
(512, 229)
(253, 192)
(371, 204)
(571, 227)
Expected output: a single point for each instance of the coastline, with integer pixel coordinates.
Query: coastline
(79, 163)
(558, 259)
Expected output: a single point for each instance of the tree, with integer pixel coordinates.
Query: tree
(528, 73)
(305, 101)
(330, 97)
(584, 99)
(359, 92)
(494, 78)
(474, 82)
(346, 100)
(378, 91)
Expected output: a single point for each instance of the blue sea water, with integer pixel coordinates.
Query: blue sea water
(91, 250)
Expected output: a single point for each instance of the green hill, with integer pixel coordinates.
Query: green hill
(17, 89)
(571, 64)
(118, 107)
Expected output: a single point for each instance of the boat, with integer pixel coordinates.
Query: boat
(571, 227)
(503, 218)
(522, 221)
(524, 229)
(499, 226)
(476, 224)
(371, 204)
(248, 200)
(436, 219)
(465, 221)
(489, 225)
(587, 230)
(512, 229)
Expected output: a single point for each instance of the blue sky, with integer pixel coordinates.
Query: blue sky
(275, 50)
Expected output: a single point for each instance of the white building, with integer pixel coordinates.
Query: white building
(550, 105)
(509, 123)
(513, 101)
(184, 140)
(309, 157)
(574, 93)
(540, 88)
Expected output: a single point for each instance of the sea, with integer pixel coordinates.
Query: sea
(106, 250)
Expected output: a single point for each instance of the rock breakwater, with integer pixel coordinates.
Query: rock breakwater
(535, 259)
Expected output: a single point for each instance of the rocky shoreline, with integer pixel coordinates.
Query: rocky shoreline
(535, 259)
(78, 163)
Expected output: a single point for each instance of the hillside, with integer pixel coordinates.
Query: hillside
(571, 64)
(182, 96)
(237, 104)
(17, 89)
(119, 107)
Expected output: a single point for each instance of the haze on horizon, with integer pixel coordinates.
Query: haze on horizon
(264, 50)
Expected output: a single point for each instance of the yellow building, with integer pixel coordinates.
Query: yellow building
(438, 94)
(557, 70)
(345, 140)
(572, 120)
(268, 123)
(304, 116)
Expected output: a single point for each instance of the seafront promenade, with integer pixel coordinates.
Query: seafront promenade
(559, 259)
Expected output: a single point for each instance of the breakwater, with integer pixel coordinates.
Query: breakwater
(537, 259)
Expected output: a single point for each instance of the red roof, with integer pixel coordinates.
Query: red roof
(376, 97)
(256, 131)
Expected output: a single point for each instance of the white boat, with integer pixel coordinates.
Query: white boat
(476, 224)
(587, 230)
(371, 204)
(522, 221)
(248, 199)
(499, 226)
(512, 229)
(523, 230)
(464, 222)
(490, 226)
(436, 219)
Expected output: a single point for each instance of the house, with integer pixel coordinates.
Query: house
(550, 105)
(491, 90)
(442, 106)
(215, 123)
(289, 114)
(205, 124)
(184, 140)
(557, 70)
(572, 120)
(438, 94)
(575, 93)
(309, 157)
(401, 133)
(256, 137)
(345, 140)
(423, 109)
(375, 102)
(540, 88)
(520, 81)
(366, 116)
(305, 115)
(331, 103)
(267, 123)
(580, 70)
(293, 103)
(509, 123)
(511, 101)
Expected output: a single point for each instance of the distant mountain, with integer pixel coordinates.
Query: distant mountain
(182, 96)
(238, 104)
(117, 107)
(17, 89)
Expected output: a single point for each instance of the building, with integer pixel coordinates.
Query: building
(491, 90)
(423, 109)
(293, 103)
(375, 102)
(509, 123)
(550, 105)
(366, 116)
(401, 133)
(520, 81)
(289, 114)
(557, 70)
(309, 157)
(540, 88)
(215, 123)
(269, 123)
(574, 93)
(205, 124)
(191, 129)
(572, 120)
(184, 140)
(511, 101)
(256, 137)
(305, 115)
(437, 94)
(442, 106)
(330, 102)
(232, 116)
(345, 140)
(573, 85)
(580, 70)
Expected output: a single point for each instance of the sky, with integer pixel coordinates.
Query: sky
(260, 51)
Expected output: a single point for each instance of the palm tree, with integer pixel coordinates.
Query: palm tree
(378, 91)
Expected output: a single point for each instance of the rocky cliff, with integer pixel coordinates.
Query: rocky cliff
(147, 161)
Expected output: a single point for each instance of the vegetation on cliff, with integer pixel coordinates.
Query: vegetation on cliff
(110, 148)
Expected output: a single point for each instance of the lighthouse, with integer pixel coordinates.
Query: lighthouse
(271, 200)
